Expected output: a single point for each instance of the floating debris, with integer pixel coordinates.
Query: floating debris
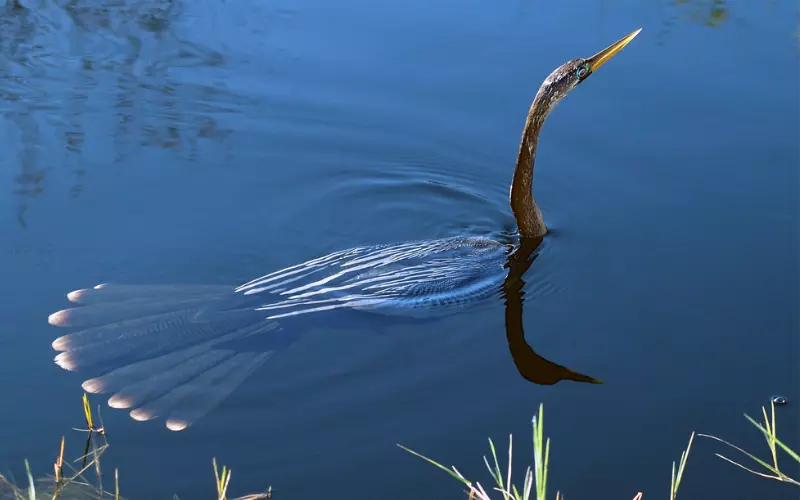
(779, 400)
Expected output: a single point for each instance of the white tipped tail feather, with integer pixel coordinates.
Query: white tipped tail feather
(177, 351)
(160, 350)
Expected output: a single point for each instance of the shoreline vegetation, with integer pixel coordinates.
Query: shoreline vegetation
(535, 480)
(75, 484)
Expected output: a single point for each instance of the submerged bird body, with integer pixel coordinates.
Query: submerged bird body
(153, 342)
(416, 278)
(177, 351)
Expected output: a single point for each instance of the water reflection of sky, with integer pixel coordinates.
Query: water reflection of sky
(84, 84)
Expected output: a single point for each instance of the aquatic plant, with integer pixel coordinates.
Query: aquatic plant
(75, 484)
(770, 431)
(536, 479)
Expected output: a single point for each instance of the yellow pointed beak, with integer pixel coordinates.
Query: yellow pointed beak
(604, 55)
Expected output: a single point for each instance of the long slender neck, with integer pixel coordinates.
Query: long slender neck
(529, 218)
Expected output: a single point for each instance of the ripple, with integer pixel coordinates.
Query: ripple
(96, 82)
(407, 201)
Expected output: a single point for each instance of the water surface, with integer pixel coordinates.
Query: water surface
(213, 141)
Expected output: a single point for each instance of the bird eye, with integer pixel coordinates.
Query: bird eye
(583, 71)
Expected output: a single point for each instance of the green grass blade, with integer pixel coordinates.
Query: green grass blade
(541, 454)
(87, 412)
(508, 478)
(780, 443)
(437, 464)
(528, 486)
(672, 486)
(752, 457)
(737, 464)
(31, 486)
(498, 477)
(788, 450)
(682, 466)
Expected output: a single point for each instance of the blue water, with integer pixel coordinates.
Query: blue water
(214, 141)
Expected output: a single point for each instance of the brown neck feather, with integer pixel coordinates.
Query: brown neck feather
(529, 218)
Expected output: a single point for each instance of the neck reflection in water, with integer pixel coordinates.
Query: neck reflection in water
(531, 365)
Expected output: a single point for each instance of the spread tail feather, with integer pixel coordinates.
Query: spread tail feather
(170, 351)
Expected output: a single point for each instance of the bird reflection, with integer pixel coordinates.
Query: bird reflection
(532, 366)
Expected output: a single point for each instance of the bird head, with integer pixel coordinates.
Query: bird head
(572, 73)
